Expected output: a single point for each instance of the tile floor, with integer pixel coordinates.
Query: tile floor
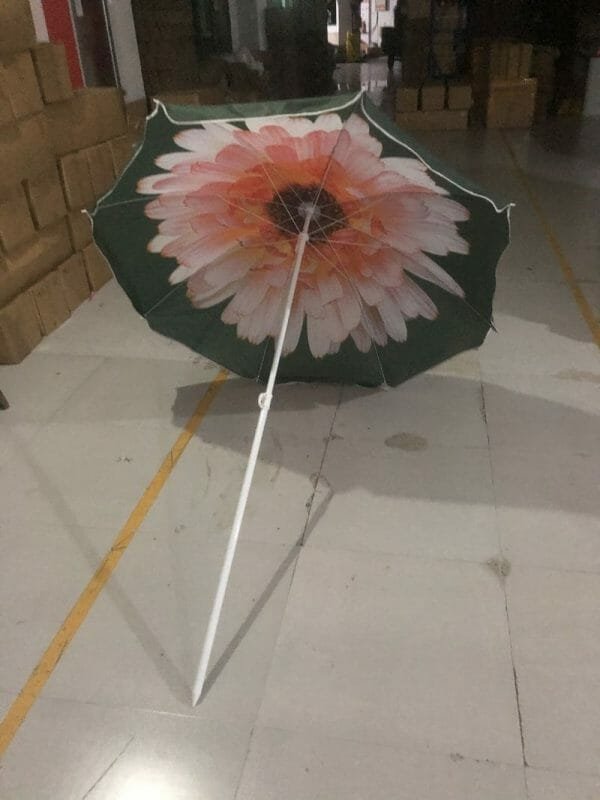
(437, 637)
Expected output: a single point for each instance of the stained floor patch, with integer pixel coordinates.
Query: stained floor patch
(411, 442)
(578, 375)
(500, 566)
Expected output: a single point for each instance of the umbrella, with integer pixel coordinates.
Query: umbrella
(303, 240)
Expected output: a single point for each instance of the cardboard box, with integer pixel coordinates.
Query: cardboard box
(97, 268)
(17, 31)
(91, 116)
(46, 198)
(75, 283)
(498, 64)
(50, 302)
(76, 181)
(459, 97)
(50, 62)
(525, 61)
(216, 95)
(433, 120)
(543, 64)
(102, 170)
(407, 98)
(123, 149)
(187, 98)
(445, 59)
(6, 112)
(32, 260)
(433, 97)
(80, 229)
(19, 81)
(24, 151)
(20, 329)
(16, 226)
(513, 61)
(417, 9)
(511, 104)
(415, 52)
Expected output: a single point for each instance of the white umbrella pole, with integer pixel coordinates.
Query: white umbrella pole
(264, 402)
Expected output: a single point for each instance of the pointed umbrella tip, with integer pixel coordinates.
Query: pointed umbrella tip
(196, 698)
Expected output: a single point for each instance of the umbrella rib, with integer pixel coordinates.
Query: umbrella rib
(270, 163)
(255, 214)
(481, 316)
(374, 200)
(321, 186)
(162, 300)
(362, 304)
(145, 199)
(325, 173)
(478, 313)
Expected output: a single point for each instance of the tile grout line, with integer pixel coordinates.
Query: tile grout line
(29, 693)
(585, 309)
(504, 591)
(306, 532)
(298, 546)
(107, 769)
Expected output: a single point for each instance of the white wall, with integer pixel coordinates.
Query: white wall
(39, 20)
(126, 49)
(248, 24)
(379, 20)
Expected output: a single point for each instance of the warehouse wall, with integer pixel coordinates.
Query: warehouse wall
(39, 20)
(126, 49)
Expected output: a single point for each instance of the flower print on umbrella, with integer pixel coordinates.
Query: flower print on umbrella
(232, 202)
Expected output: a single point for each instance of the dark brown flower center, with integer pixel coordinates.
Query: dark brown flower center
(288, 210)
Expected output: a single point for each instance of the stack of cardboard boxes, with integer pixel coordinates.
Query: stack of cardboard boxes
(416, 41)
(504, 92)
(59, 152)
(447, 20)
(543, 68)
(166, 34)
(434, 106)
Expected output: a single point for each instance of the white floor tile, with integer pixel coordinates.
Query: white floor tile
(153, 616)
(544, 414)
(435, 502)
(6, 700)
(442, 409)
(591, 288)
(53, 564)
(140, 390)
(83, 473)
(540, 332)
(203, 491)
(547, 785)
(119, 754)
(465, 365)
(289, 765)
(529, 257)
(549, 512)
(394, 651)
(37, 388)
(556, 643)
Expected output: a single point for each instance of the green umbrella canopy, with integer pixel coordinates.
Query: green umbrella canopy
(398, 273)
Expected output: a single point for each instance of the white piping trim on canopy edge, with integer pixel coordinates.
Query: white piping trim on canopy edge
(373, 122)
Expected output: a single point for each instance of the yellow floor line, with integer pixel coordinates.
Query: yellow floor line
(17, 713)
(586, 310)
